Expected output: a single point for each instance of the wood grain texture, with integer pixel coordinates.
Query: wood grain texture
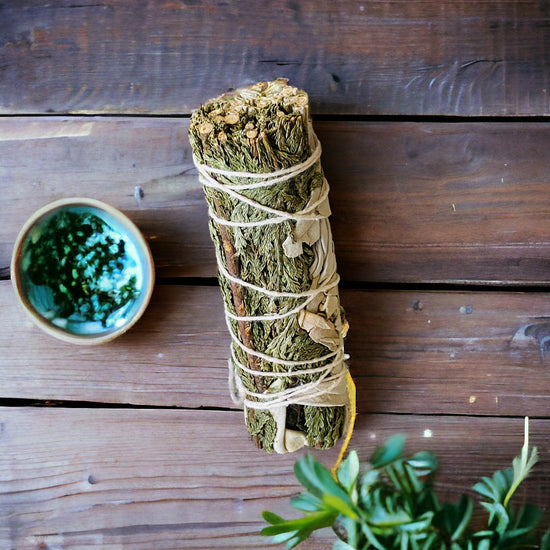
(412, 202)
(376, 57)
(176, 355)
(141, 166)
(465, 353)
(171, 479)
(450, 353)
(100, 478)
(420, 202)
(142, 447)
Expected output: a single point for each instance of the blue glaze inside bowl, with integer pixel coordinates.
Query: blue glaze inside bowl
(82, 271)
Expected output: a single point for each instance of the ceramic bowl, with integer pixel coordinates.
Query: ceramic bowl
(82, 270)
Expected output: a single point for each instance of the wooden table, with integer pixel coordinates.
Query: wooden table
(433, 120)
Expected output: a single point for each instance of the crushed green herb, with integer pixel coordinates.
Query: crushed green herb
(82, 262)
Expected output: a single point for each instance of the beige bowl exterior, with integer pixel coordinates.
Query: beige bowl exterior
(133, 232)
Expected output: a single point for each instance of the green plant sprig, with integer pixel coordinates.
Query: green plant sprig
(390, 504)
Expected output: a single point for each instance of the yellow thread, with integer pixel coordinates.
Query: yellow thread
(352, 394)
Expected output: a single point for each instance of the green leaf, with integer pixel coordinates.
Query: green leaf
(394, 506)
(395, 471)
(497, 511)
(389, 452)
(522, 524)
(307, 503)
(495, 488)
(369, 478)
(424, 463)
(465, 510)
(381, 517)
(352, 530)
(291, 538)
(341, 545)
(278, 529)
(504, 483)
(339, 506)
(528, 516)
(484, 544)
(430, 543)
(371, 537)
(309, 522)
(417, 484)
(453, 519)
(522, 465)
(420, 524)
(348, 471)
(486, 533)
(295, 531)
(317, 479)
(485, 489)
(427, 500)
(272, 518)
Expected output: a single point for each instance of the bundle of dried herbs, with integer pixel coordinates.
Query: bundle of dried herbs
(258, 160)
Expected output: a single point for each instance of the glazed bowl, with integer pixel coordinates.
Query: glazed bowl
(82, 270)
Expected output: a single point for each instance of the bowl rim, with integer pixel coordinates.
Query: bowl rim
(133, 232)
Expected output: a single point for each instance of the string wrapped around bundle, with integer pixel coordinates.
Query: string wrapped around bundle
(259, 164)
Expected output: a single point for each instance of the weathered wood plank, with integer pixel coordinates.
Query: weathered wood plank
(170, 479)
(450, 353)
(412, 202)
(478, 353)
(376, 57)
(133, 478)
(176, 355)
(439, 202)
(142, 166)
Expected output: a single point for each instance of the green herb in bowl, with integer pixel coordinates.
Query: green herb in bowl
(83, 270)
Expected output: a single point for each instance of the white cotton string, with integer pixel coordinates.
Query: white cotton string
(235, 392)
(272, 317)
(307, 213)
(228, 223)
(276, 360)
(309, 388)
(280, 216)
(303, 394)
(268, 178)
(292, 395)
(278, 316)
(275, 293)
(283, 374)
